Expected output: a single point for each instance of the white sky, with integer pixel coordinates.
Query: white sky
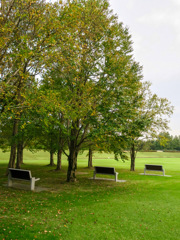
(155, 29)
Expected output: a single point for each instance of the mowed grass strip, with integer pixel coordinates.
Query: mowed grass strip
(143, 207)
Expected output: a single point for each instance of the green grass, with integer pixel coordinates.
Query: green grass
(143, 207)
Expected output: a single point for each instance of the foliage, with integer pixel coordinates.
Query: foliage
(165, 141)
(89, 91)
(25, 40)
(94, 73)
(28, 27)
(151, 117)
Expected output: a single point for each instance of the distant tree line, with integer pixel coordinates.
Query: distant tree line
(164, 142)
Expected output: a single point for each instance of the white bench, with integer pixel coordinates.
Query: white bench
(105, 170)
(21, 174)
(151, 167)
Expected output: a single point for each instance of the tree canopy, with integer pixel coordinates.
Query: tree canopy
(90, 87)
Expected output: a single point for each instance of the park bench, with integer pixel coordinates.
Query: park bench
(151, 167)
(105, 170)
(20, 174)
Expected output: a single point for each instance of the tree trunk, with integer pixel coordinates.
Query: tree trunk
(90, 158)
(60, 147)
(76, 155)
(51, 158)
(12, 156)
(71, 173)
(133, 157)
(19, 155)
(73, 152)
(13, 145)
(59, 155)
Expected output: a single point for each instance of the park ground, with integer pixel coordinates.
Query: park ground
(142, 207)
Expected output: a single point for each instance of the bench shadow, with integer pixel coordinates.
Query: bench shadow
(148, 174)
(26, 187)
(106, 179)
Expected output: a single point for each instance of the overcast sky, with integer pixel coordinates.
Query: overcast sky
(155, 29)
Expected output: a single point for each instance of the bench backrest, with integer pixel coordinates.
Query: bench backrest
(154, 167)
(20, 173)
(107, 170)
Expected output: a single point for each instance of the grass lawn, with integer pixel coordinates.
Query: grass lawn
(143, 207)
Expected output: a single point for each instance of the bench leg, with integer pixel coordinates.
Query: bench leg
(144, 171)
(32, 183)
(116, 177)
(94, 175)
(163, 172)
(9, 181)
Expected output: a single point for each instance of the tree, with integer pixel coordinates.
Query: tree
(93, 73)
(26, 39)
(150, 119)
(42, 122)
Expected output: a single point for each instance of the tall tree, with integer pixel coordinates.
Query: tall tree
(151, 118)
(93, 72)
(26, 39)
